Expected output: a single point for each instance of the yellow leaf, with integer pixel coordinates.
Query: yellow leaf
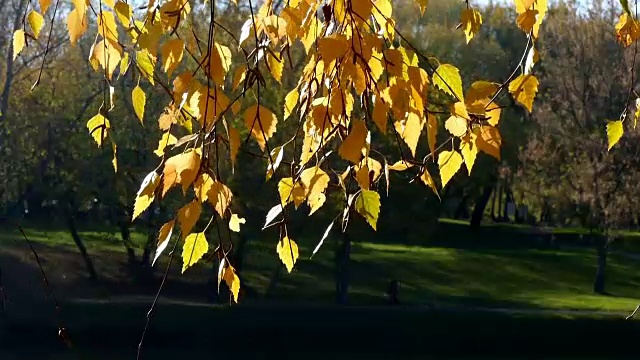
(469, 150)
(479, 91)
(382, 11)
(449, 163)
(432, 132)
(124, 12)
(314, 181)
(201, 187)
(146, 63)
(146, 194)
(447, 78)
(239, 76)
(181, 169)
(77, 24)
(489, 140)
(290, 102)
(195, 246)
(380, 111)
(108, 54)
(166, 140)
(44, 5)
(400, 165)
(615, 130)
(163, 239)
(233, 281)
(627, 30)
(493, 115)
(287, 250)
(276, 66)
(456, 125)
(172, 52)
(219, 63)
(291, 192)
(368, 205)
(410, 131)
(262, 124)
(471, 21)
(36, 21)
(428, 180)
(527, 20)
(19, 40)
(423, 5)
(219, 195)
(351, 147)
(188, 216)
(524, 89)
(333, 47)
(124, 64)
(139, 100)
(523, 5)
(99, 128)
(107, 27)
(235, 221)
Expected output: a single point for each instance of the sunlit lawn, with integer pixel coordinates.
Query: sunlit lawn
(549, 279)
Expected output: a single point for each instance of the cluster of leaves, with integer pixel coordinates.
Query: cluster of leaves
(361, 77)
(627, 33)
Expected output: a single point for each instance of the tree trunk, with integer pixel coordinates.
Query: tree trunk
(601, 250)
(343, 256)
(71, 224)
(481, 205)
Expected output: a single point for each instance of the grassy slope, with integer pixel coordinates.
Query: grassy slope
(551, 279)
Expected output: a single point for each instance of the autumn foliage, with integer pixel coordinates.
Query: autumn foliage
(361, 77)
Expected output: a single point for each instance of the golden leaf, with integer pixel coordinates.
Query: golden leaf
(276, 66)
(234, 144)
(479, 91)
(447, 78)
(333, 47)
(449, 163)
(181, 169)
(469, 150)
(287, 250)
(163, 239)
(146, 64)
(77, 24)
(235, 221)
(627, 30)
(428, 180)
(410, 131)
(400, 165)
(456, 125)
(290, 102)
(139, 100)
(202, 185)
(489, 140)
(238, 76)
(423, 5)
(262, 124)
(124, 12)
(471, 21)
(380, 111)
(188, 216)
(527, 20)
(219, 195)
(107, 27)
(615, 130)
(291, 192)
(220, 62)
(145, 194)
(524, 89)
(233, 281)
(99, 128)
(36, 21)
(367, 204)
(19, 40)
(195, 246)
(172, 52)
(351, 147)
(44, 5)
(166, 140)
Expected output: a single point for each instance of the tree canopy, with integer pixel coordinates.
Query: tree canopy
(360, 101)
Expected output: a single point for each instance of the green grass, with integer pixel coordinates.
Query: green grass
(440, 276)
